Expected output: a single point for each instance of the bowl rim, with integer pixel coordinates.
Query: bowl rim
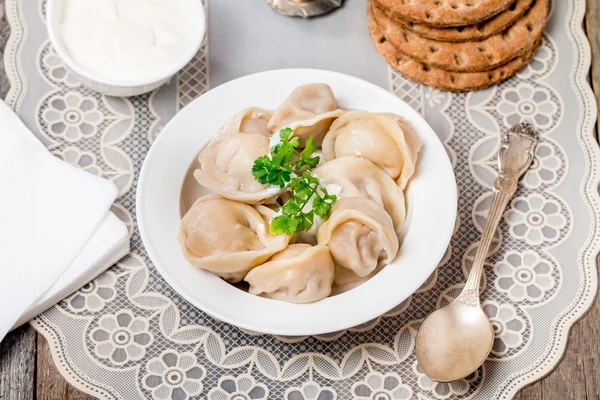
(332, 324)
(56, 42)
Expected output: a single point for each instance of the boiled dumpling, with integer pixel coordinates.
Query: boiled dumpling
(249, 120)
(299, 274)
(226, 168)
(358, 177)
(360, 236)
(228, 238)
(309, 111)
(376, 137)
(413, 145)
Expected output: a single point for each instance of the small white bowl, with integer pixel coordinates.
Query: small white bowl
(126, 88)
(431, 199)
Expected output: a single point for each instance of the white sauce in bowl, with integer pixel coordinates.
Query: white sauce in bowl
(125, 39)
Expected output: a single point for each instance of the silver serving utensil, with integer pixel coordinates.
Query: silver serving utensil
(304, 8)
(456, 339)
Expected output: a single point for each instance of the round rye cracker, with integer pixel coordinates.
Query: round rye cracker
(441, 79)
(479, 56)
(444, 13)
(470, 33)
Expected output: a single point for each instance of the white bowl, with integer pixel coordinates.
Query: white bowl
(126, 88)
(431, 199)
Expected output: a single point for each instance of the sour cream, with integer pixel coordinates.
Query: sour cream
(125, 39)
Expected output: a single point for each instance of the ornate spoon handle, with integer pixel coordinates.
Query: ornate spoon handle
(514, 158)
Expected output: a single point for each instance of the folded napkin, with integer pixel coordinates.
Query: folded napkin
(48, 212)
(107, 245)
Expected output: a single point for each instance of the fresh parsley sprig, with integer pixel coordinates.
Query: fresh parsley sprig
(307, 197)
(298, 213)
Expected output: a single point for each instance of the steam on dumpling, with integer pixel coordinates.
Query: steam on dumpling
(358, 177)
(228, 238)
(226, 168)
(299, 274)
(309, 111)
(249, 120)
(376, 137)
(360, 236)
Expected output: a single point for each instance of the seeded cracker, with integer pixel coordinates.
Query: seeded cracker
(485, 55)
(444, 13)
(469, 33)
(445, 80)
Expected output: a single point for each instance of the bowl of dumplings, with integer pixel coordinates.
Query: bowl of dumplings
(296, 202)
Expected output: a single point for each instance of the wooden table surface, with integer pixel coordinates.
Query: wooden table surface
(27, 370)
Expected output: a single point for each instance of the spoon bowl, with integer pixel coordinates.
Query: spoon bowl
(454, 341)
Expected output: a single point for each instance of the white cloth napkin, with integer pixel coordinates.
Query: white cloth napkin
(48, 212)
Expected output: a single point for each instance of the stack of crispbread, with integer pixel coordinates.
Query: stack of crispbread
(457, 45)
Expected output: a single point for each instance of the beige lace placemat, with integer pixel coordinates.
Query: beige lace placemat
(128, 335)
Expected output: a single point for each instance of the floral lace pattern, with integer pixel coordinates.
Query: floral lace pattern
(128, 335)
(121, 337)
(443, 390)
(174, 376)
(243, 387)
(524, 276)
(72, 116)
(377, 386)
(94, 295)
(508, 327)
(535, 219)
(310, 391)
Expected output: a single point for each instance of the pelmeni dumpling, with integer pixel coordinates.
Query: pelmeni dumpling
(355, 176)
(228, 238)
(249, 120)
(360, 236)
(299, 274)
(376, 137)
(410, 153)
(309, 111)
(226, 168)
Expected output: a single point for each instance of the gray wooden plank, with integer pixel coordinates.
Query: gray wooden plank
(568, 380)
(50, 384)
(532, 392)
(17, 364)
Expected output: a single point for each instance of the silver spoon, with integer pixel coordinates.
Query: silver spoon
(455, 340)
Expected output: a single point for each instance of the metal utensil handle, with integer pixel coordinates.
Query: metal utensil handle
(504, 188)
(514, 158)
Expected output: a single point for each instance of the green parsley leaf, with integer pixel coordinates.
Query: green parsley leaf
(261, 169)
(301, 188)
(291, 207)
(285, 134)
(283, 225)
(320, 207)
(305, 221)
(305, 156)
(294, 142)
(309, 147)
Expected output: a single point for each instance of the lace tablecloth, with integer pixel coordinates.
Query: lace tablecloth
(128, 335)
